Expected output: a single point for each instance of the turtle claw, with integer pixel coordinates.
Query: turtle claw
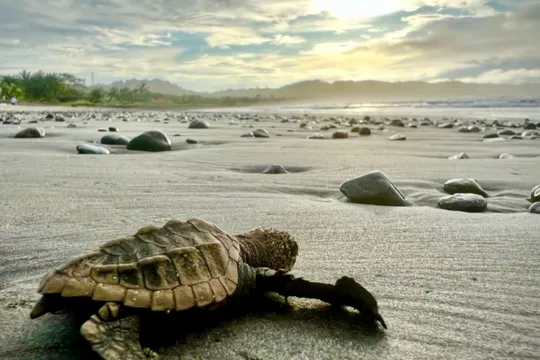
(353, 294)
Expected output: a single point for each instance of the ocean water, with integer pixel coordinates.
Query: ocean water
(483, 108)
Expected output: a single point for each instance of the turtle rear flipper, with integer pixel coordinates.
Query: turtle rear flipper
(115, 337)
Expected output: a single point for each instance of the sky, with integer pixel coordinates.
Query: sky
(210, 45)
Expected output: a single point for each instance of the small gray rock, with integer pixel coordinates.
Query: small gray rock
(199, 124)
(446, 126)
(191, 141)
(490, 136)
(495, 139)
(506, 132)
(397, 122)
(461, 155)
(72, 126)
(397, 137)
(340, 135)
(114, 139)
(261, 133)
(535, 194)
(153, 140)
(471, 186)
(463, 202)
(33, 132)
(249, 134)
(92, 149)
(364, 131)
(373, 188)
(316, 136)
(535, 208)
(506, 156)
(275, 169)
(113, 129)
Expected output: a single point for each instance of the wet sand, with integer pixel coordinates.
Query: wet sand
(450, 285)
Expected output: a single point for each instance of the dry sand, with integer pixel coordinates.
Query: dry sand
(450, 285)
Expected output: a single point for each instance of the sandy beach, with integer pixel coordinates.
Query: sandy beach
(450, 284)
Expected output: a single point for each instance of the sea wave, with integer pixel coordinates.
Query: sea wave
(442, 103)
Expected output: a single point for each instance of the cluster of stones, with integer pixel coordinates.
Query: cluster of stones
(375, 188)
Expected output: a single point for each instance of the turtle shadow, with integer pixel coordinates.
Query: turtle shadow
(58, 337)
(200, 328)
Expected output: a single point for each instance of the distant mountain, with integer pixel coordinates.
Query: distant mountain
(381, 91)
(155, 85)
(353, 91)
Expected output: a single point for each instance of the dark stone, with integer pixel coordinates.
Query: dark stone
(397, 122)
(506, 132)
(490, 136)
(364, 131)
(113, 129)
(191, 141)
(373, 188)
(535, 208)
(153, 140)
(463, 202)
(199, 124)
(471, 186)
(114, 140)
(340, 135)
(33, 132)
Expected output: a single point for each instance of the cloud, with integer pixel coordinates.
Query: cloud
(498, 76)
(215, 44)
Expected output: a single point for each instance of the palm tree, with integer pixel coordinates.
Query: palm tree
(10, 90)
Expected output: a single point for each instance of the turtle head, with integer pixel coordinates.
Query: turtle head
(273, 248)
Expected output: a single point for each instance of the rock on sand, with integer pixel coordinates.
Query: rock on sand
(153, 140)
(33, 132)
(373, 188)
(463, 202)
(275, 169)
(114, 139)
(470, 186)
(92, 149)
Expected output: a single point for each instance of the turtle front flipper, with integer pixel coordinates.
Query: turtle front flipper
(113, 336)
(346, 291)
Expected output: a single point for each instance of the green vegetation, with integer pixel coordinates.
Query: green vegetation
(63, 88)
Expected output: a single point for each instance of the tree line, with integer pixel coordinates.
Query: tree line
(55, 87)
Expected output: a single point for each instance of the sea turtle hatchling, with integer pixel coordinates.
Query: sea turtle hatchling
(182, 265)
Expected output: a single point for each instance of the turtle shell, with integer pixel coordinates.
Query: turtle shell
(178, 266)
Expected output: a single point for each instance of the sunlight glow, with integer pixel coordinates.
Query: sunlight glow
(350, 9)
